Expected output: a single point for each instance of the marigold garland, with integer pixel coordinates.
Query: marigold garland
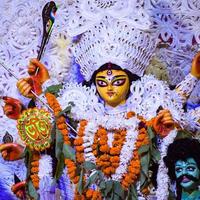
(62, 126)
(107, 158)
(78, 142)
(35, 169)
(60, 122)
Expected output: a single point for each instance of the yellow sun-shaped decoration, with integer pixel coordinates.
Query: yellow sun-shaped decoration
(34, 126)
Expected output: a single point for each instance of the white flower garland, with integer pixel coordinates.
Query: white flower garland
(126, 153)
(162, 191)
(45, 166)
(46, 177)
(108, 123)
(88, 140)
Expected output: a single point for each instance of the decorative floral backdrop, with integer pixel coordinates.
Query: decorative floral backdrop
(178, 23)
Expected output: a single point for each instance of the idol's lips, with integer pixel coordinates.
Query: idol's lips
(110, 94)
(185, 179)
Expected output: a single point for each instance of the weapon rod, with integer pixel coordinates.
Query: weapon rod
(50, 109)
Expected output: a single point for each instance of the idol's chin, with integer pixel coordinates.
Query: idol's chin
(187, 184)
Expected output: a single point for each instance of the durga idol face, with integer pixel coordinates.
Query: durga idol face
(113, 86)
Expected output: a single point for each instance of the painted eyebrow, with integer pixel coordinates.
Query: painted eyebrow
(117, 76)
(101, 77)
(178, 165)
(191, 163)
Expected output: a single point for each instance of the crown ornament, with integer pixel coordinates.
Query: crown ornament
(115, 41)
(114, 31)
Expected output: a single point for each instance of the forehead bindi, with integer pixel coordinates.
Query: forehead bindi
(111, 74)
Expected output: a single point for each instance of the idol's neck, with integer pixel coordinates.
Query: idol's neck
(120, 109)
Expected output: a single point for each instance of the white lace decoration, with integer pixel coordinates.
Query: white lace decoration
(45, 177)
(92, 12)
(84, 99)
(193, 117)
(21, 37)
(147, 95)
(162, 176)
(114, 41)
(184, 89)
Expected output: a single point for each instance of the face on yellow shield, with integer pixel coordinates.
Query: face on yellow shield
(112, 86)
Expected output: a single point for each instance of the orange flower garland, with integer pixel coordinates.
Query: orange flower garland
(89, 194)
(60, 122)
(78, 142)
(62, 126)
(134, 166)
(35, 169)
(107, 158)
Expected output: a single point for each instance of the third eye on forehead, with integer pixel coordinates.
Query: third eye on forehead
(111, 78)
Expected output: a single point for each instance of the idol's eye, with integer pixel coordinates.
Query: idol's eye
(102, 83)
(191, 168)
(178, 169)
(119, 82)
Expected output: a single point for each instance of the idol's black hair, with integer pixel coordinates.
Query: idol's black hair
(107, 66)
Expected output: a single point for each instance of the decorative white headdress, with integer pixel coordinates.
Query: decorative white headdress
(111, 35)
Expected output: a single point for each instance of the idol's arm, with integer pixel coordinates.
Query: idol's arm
(185, 88)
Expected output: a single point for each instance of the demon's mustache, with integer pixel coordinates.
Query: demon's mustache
(190, 177)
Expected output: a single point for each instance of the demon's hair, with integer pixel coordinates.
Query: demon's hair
(181, 149)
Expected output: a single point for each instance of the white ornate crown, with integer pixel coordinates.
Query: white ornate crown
(111, 31)
(117, 42)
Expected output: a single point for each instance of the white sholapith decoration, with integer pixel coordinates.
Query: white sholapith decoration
(147, 95)
(162, 176)
(114, 41)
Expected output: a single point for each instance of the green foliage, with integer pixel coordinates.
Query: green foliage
(89, 165)
(53, 132)
(148, 154)
(32, 191)
(59, 143)
(132, 193)
(67, 110)
(54, 89)
(69, 152)
(183, 134)
(92, 179)
(27, 160)
(80, 185)
(60, 166)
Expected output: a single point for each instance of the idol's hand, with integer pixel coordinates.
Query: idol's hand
(11, 151)
(12, 108)
(195, 70)
(163, 123)
(27, 85)
(38, 70)
(38, 75)
(19, 189)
